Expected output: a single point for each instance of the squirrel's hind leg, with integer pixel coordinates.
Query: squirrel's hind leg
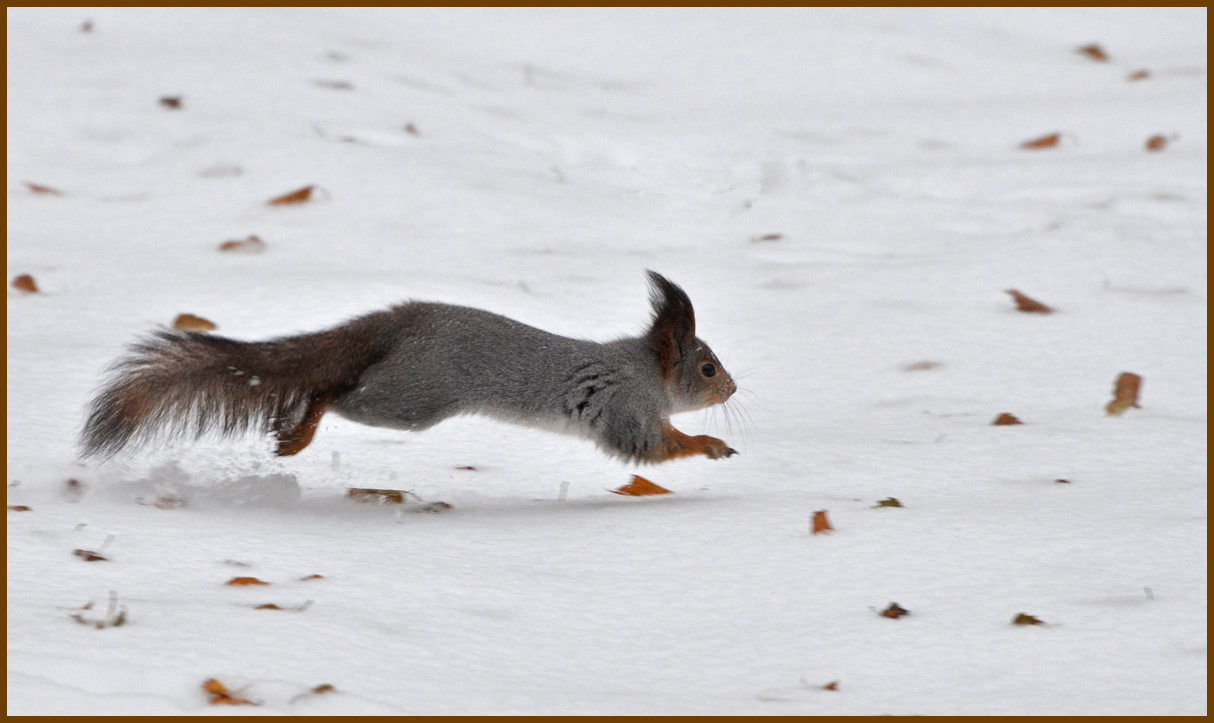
(675, 444)
(292, 441)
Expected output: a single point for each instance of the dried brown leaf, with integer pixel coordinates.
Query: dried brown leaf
(88, 555)
(318, 690)
(1125, 393)
(25, 283)
(819, 523)
(376, 497)
(250, 245)
(19, 508)
(313, 577)
(245, 581)
(888, 502)
(1156, 143)
(895, 611)
(1024, 303)
(641, 487)
(172, 102)
(223, 696)
(294, 609)
(1095, 52)
(411, 129)
(189, 322)
(299, 196)
(1023, 619)
(73, 489)
(468, 468)
(832, 685)
(1061, 481)
(1005, 419)
(1139, 75)
(39, 188)
(1049, 141)
(769, 237)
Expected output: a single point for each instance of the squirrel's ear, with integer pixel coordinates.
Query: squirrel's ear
(674, 321)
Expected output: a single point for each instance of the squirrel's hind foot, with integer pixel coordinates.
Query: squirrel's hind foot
(292, 441)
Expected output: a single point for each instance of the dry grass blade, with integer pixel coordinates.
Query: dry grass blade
(115, 615)
(433, 507)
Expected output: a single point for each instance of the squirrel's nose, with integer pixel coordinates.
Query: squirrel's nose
(730, 388)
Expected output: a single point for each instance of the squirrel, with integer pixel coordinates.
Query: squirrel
(412, 366)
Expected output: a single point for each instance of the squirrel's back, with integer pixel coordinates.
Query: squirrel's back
(457, 360)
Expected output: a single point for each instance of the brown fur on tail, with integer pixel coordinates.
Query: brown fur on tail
(174, 384)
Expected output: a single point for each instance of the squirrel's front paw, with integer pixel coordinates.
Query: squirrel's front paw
(675, 444)
(716, 449)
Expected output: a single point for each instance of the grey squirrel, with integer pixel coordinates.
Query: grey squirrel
(414, 365)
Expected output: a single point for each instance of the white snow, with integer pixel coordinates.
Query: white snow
(558, 154)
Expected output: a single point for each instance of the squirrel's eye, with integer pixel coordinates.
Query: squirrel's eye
(708, 370)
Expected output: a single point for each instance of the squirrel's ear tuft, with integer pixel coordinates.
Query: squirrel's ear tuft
(674, 321)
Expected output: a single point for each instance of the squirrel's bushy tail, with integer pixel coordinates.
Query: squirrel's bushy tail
(173, 384)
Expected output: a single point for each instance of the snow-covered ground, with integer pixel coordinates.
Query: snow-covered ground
(554, 156)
